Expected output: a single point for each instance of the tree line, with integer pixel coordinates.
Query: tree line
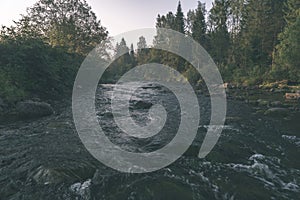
(251, 41)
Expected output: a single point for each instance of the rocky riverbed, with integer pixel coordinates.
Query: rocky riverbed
(256, 156)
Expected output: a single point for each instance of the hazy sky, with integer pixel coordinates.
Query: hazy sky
(116, 15)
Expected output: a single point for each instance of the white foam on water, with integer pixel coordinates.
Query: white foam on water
(289, 137)
(267, 170)
(224, 127)
(291, 186)
(81, 188)
(292, 138)
(257, 157)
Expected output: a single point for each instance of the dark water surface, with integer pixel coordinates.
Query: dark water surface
(255, 158)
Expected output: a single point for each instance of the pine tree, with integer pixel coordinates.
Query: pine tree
(190, 18)
(124, 59)
(142, 52)
(236, 9)
(263, 21)
(199, 25)
(179, 20)
(219, 35)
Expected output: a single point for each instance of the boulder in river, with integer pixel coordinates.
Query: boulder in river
(142, 105)
(2, 105)
(262, 103)
(292, 96)
(32, 109)
(276, 103)
(277, 112)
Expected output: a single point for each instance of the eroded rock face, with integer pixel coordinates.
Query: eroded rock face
(32, 109)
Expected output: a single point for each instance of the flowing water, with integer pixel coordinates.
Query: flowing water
(255, 158)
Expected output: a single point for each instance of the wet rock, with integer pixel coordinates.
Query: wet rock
(239, 98)
(233, 119)
(32, 109)
(152, 86)
(252, 102)
(3, 106)
(260, 112)
(292, 96)
(1, 102)
(10, 189)
(46, 176)
(262, 103)
(82, 189)
(36, 99)
(277, 112)
(276, 104)
(142, 105)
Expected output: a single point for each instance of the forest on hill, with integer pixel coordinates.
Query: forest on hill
(252, 42)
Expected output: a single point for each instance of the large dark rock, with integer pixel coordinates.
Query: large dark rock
(276, 104)
(262, 103)
(3, 106)
(142, 105)
(32, 109)
(277, 112)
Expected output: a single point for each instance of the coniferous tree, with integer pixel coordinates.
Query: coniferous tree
(199, 25)
(190, 18)
(236, 9)
(179, 20)
(142, 52)
(286, 57)
(132, 56)
(124, 59)
(219, 35)
(262, 22)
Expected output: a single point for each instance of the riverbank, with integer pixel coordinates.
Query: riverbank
(268, 99)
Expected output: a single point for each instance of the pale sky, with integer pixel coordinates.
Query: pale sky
(117, 16)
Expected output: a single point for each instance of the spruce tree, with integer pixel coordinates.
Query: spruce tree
(219, 35)
(179, 20)
(199, 25)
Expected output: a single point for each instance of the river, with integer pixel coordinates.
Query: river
(256, 157)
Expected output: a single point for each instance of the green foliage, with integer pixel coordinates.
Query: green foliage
(262, 22)
(41, 53)
(250, 40)
(219, 35)
(179, 20)
(9, 91)
(30, 66)
(70, 24)
(199, 25)
(286, 58)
